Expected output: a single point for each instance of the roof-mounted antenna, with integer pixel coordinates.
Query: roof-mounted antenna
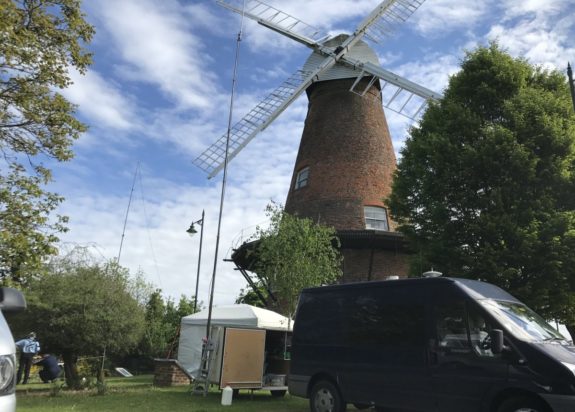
(431, 274)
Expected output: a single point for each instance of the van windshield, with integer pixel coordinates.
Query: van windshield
(521, 321)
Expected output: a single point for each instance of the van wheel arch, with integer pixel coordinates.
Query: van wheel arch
(325, 395)
(512, 396)
(321, 377)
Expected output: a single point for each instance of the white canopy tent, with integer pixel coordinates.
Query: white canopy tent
(193, 328)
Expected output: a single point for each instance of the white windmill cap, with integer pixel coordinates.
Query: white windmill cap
(361, 51)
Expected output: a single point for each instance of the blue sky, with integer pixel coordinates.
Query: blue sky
(158, 95)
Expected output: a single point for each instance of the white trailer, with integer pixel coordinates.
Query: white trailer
(250, 347)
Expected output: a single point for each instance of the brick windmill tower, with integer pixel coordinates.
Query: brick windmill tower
(346, 160)
(344, 170)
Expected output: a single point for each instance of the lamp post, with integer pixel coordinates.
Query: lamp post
(191, 231)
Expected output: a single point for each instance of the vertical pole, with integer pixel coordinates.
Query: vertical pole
(199, 263)
(226, 159)
(571, 84)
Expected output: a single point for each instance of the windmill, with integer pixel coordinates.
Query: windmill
(346, 161)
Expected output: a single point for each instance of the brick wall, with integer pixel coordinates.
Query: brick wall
(169, 372)
(384, 263)
(347, 146)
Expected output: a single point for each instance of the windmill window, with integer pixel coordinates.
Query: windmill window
(376, 218)
(302, 178)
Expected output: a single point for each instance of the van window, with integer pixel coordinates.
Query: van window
(373, 321)
(451, 327)
(319, 316)
(479, 330)
(361, 317)
(462, 330)
(521, 321)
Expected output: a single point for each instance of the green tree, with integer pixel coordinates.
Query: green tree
(163, 320)
(173, 320)
(82, 309)
(485, 187)
(156, 335)
(250, 297)
(40, 41)
(295, 253)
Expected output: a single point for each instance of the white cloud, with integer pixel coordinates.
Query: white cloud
(541, 41)
(99, 101)
(536, 7)
(202, 15)
(158, 47)
(155, 239)
(437, 17)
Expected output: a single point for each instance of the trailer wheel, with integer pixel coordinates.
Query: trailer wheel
(522, 404)
(325, 397)
(278, 394)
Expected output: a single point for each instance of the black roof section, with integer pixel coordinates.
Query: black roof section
(476, 289)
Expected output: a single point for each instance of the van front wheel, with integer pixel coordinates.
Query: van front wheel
(325, 397)
(522, 404)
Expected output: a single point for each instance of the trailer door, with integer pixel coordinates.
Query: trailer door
(243, 358)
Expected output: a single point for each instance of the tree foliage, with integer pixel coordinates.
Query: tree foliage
(249, 296)
(295, 253)
(80, 308)
(40, 41)
(163, 320)
(485, 187)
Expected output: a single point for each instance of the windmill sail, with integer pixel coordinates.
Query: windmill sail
(398, 93)
(406, 98)
(390, 14)
(212, 159)
(276, 20)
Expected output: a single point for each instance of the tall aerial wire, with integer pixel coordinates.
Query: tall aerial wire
(148, 229)
(230, 116)
(127, 213)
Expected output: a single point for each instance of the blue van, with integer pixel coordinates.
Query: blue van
(427, 344)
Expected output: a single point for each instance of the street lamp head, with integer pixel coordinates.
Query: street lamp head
(191, 230)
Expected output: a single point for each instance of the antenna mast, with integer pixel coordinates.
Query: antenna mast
(230, 116)
(208, 346)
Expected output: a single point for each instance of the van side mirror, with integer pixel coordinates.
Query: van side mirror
(496, 336)
(11, 300)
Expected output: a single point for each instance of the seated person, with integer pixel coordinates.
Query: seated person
(50, 368)
(479, 333)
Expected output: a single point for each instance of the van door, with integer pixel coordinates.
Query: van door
(463, 369)
(385, 331)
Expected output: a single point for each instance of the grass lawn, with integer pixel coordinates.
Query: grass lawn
(137, 394)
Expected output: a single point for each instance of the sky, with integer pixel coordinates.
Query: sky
(158, 94)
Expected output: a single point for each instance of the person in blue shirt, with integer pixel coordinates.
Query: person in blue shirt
(29, 347)
(50, 368)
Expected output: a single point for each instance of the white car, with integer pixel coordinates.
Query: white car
(11, 300)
